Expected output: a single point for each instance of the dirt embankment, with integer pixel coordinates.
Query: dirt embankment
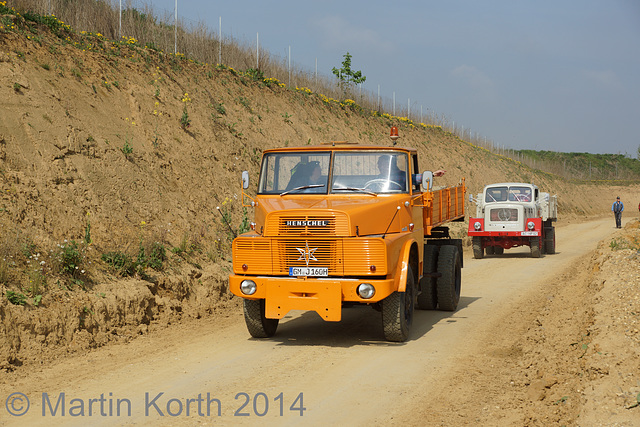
(570, 356)
(95, 149)
(581, 356)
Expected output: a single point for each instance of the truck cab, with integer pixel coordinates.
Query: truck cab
(337, 224)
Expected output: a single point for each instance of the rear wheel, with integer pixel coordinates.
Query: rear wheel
(257, 324)
(428, 297)
(499, 250)
(536, 247)
(550, 240)
(397, 311)
(449, 283)
(490, 250)
(478, 252)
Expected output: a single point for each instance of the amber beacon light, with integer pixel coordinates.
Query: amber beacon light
(394, 134)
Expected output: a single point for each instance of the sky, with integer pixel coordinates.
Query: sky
(559, 75)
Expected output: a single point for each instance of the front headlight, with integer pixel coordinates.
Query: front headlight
(248, 287)
(477, 226)
(366, 290)
(531, 225)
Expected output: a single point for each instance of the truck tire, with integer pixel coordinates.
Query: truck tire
(550, 240)
(536, 247)
(257, 324)
(498, 250)
(449, 283)
(397, 311)
(478, 251)
(428, 296)
(491, 250)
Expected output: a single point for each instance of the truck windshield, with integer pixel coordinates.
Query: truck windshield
(368, 172)
(304, 172)
(504, 193)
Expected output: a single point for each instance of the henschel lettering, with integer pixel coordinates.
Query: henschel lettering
(307, 223)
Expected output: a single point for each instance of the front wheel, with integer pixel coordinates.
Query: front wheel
(397, 311)
(257, 324)
(536, 247)
(478, 251)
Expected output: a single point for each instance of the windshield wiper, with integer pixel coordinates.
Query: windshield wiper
(359, 190)
(304, 187)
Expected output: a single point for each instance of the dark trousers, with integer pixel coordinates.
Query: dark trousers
(618, 216)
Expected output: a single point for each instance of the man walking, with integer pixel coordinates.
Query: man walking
(617, 209)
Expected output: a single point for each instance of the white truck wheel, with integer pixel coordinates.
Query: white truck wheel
(536, 247)
(478, 251)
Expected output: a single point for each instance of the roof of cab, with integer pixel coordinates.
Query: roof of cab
(341, 146)
(508, 184)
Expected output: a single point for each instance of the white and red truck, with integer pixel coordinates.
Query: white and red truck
(513, 214)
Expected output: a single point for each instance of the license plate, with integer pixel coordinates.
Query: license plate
(309, 271)
(529, 233)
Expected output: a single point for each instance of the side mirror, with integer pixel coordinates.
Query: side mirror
(427, 180)
(245, 179)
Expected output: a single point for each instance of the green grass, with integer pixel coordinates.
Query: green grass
(584, 165)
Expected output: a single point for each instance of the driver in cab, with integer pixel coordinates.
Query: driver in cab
(389, 171)
(396, 177)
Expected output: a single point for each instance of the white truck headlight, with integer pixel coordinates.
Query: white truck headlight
(248, 287)
(531, 225)
(366, 290)
(477, 226)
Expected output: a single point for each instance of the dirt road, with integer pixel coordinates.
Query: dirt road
(340, 373)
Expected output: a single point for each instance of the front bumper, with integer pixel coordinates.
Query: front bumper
(482, 232)
(505, 233)
(322, 295)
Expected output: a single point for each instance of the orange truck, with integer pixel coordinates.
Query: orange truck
(342, 224)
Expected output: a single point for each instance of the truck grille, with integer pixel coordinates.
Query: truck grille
(307, 225)
(343, 257)
(348, 257)
(504, 214)
(327, 253)
(254, 252)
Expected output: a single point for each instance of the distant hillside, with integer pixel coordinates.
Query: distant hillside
(583, 166)
(144, 26)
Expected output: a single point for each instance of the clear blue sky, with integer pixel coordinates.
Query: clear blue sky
(559, 75)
